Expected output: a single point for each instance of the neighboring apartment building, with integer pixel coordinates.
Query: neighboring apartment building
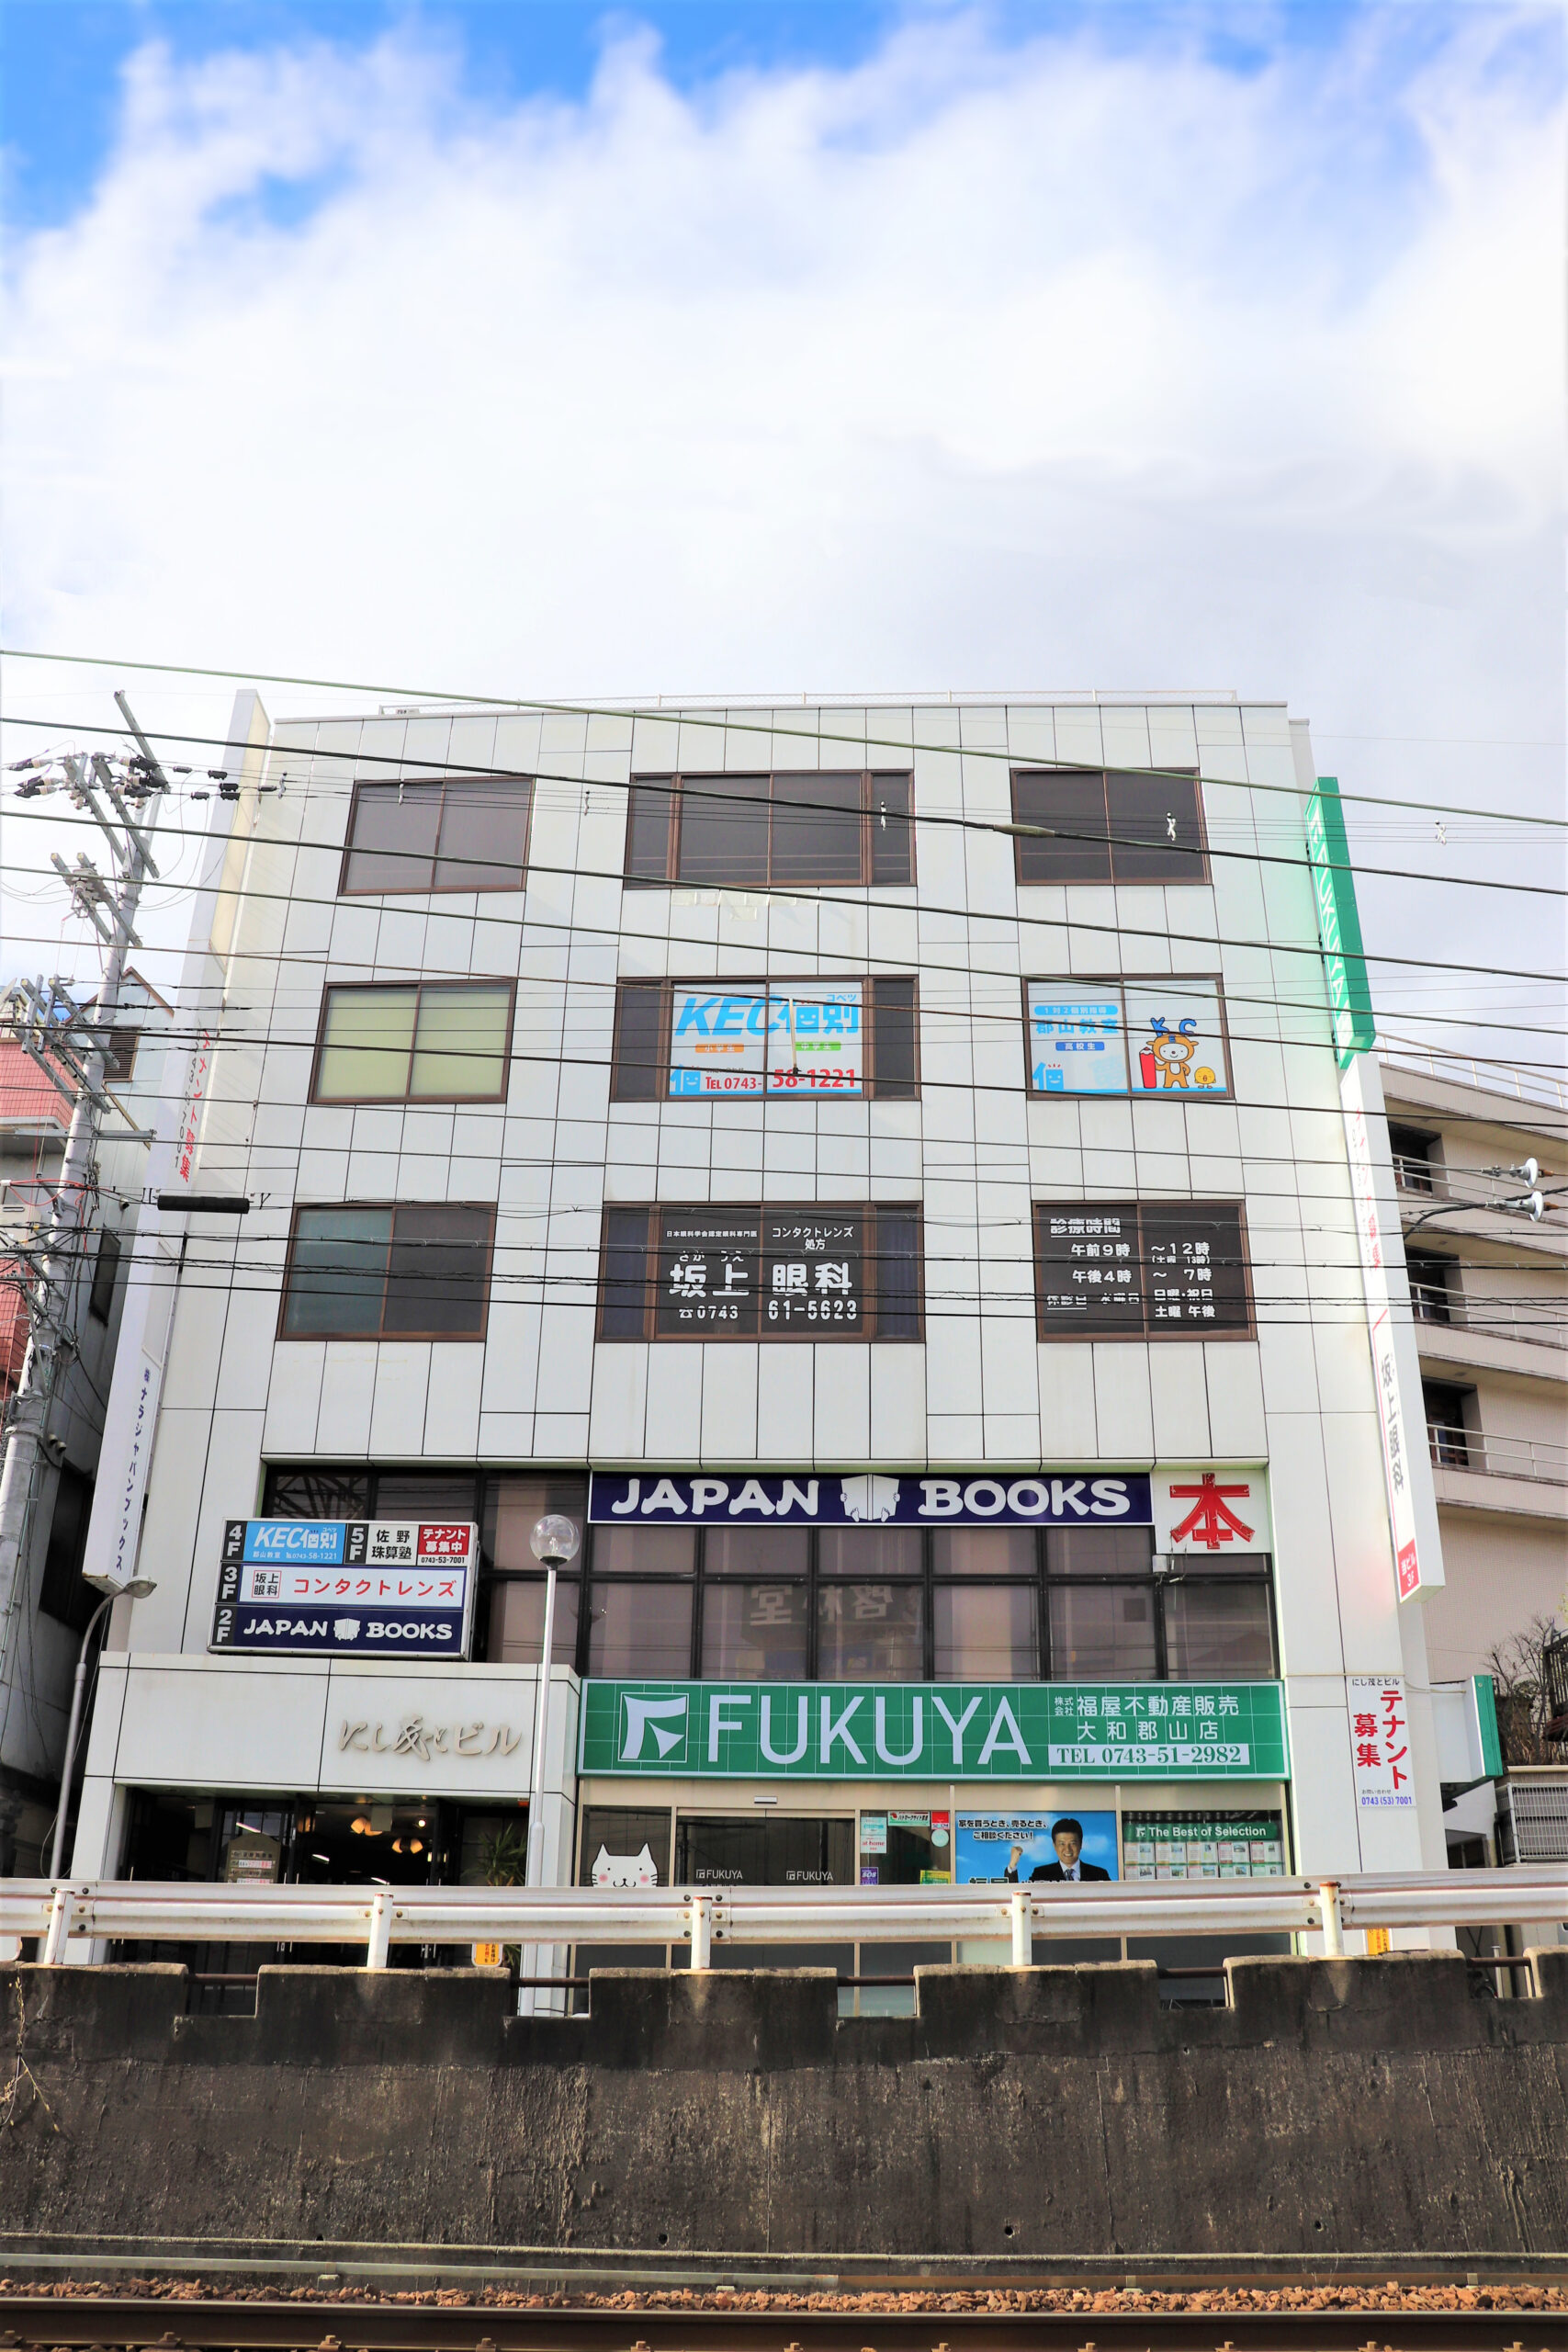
(38, 1645)
(1490, 1294)
(881, 1174)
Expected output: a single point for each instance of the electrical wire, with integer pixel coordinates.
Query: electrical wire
(680, 716)
(708, 784)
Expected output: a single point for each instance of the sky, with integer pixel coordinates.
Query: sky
(530, 349)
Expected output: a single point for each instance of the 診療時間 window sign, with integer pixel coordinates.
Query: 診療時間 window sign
(353, 1588)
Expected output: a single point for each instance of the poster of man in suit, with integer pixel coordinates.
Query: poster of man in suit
(1036, 1849)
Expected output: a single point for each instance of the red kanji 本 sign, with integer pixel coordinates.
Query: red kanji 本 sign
(1211, 1521)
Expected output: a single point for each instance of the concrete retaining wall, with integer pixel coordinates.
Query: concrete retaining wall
(1332, 2106)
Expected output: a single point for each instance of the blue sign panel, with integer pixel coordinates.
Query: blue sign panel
(347, 1587)
(875, 1498)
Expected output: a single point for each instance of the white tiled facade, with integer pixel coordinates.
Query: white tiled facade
(974, 1149)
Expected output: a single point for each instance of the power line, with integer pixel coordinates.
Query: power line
(709, 785)
(680, 716)
(810, 895)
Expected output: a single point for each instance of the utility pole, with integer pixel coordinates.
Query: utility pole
(72, 1050)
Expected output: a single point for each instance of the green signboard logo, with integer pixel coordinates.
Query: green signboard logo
(815, 1731)
(1338, 923)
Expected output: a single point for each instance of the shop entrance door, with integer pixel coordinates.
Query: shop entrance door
(718, 1850)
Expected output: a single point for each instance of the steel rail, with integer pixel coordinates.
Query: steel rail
(141, 1911)
(141, 2323)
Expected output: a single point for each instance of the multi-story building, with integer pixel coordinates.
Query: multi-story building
(881, 1174)
(50, 1605)
(1489, 1291)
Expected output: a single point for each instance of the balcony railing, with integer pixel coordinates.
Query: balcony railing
(1497, 1457)
(1539, 1322)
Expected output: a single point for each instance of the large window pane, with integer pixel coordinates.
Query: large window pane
(869, 1552)
(513, 1508)
(621, 1845)
(395, 828)
(1194, 1267)
(484, 834)
(870, 1633)
(894, 1068)
(1090, 1270)
(983, 1551)
(644, 1551)
(987, 1633)
(365, 1045)
(1073, 806)
(642, 1631)
(1218, 1629)
(723, 831)
(623, 1308)
(460, 1050)
(765, 1552)
(517, 1622)
(419, 1493)
(318, 1494)
(639, 1041)
(337, 1274)
(708, 1272)
(1099, 1551)
(1154, 833)
(898, 1273)
(754, 1632)
(1098, 1631)
(647, 832)
(439, 1281)
(781, 1849)
(892, 834)
(817, 829)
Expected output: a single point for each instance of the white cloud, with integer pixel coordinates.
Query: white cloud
(973, 364)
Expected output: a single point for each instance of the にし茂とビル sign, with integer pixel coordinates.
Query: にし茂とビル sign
(351, 1587)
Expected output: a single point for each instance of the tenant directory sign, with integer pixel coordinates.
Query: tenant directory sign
(349, 1588)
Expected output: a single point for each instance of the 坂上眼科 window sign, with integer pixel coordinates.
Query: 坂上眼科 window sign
(351, 1588)
(1133, 1036)
(849, 1731)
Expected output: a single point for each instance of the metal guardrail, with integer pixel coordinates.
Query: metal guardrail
(1497, 1457)
(138, 1911)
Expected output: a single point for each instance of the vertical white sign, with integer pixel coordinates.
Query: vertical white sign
(1380, 1743)
(1394, 1422)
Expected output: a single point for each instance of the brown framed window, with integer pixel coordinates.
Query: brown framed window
(1109, 825)
(461, 832)
(406, 1271)
(429, 1041)
(1128, 1035)
(776, 1272)
(785, 1038)
(851, 827)
(1141, 1269)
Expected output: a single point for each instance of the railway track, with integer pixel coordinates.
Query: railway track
(1122, 2322)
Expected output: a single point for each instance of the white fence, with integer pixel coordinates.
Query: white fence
(141, 1912)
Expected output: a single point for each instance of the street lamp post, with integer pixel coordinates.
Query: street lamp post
(137, 1590)
(554, 1543)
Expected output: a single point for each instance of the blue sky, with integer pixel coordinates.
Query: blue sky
(60, 61)
(523, 347)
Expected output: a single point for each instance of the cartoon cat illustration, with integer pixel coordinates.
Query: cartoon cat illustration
(625, 1870)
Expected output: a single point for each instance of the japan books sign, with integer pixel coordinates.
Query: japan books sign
(847, 1731)
(1380, 1742)
(873, 1497)
(351, 1588)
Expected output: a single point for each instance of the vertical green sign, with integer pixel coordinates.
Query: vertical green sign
(1339, 924)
